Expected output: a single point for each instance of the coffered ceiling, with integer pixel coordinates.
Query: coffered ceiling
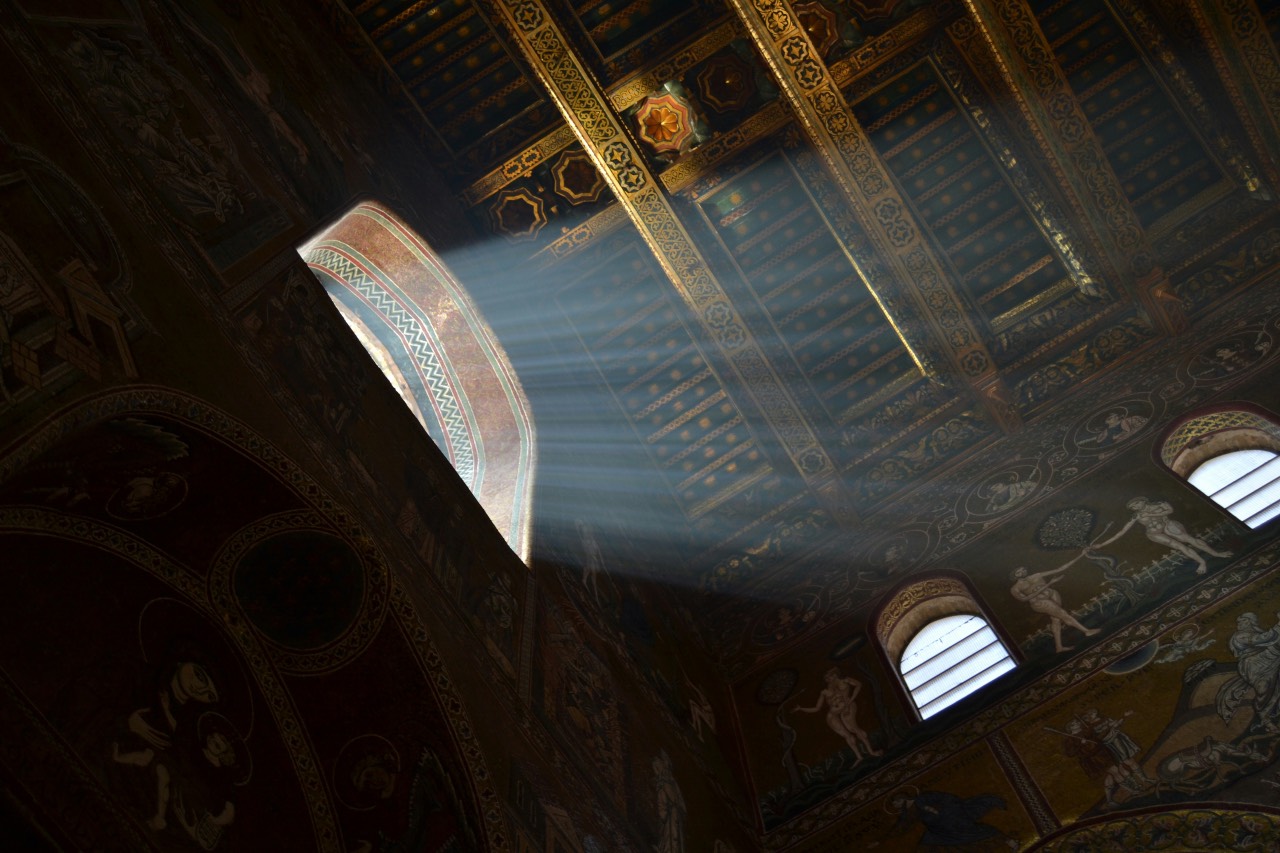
(783, 268)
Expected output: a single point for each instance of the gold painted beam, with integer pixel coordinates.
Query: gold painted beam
(588, 110)
(632, 91)
(1149, 36)
(1248, 65)
(694, 164)
(519, 166)
(1009, 33)
(922, 277)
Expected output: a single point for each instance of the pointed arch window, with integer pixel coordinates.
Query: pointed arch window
(1231, 454)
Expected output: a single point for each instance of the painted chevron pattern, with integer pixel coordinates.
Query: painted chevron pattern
(418, 344)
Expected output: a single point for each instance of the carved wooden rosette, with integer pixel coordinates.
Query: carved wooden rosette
(1071, 150)
(881, 210)
(587, 109)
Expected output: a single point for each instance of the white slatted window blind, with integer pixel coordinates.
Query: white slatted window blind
(951, 658)
(1246, 483)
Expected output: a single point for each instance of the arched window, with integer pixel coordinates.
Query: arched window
(430, 341)
(1230, 453)
(936, 635)
(951, 658)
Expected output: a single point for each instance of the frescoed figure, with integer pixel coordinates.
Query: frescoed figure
(177, 756)
(1103, 750)
(1185, 642)
(1117, 426)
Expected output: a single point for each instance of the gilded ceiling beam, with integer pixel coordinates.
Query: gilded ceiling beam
(1035, 81)
(1248, 66)
(1153, 41)
(588, 110)
(882, 212)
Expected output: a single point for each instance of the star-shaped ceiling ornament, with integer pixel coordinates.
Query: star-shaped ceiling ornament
(821, 25)
(726, 83)
(518, 213)
(576, 178)
(664, 122)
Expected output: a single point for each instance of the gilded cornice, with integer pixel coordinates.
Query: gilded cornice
(519, 166)
(876, 50)
(605, 222)
(697, 162)
(589, 112)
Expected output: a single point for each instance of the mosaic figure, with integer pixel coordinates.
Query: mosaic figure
(840, 698)
(1258, 663)
(1038, 592)
(1156, 518)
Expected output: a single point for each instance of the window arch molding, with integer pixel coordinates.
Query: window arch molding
(1236, 428)
(914, 605)
(429, 339)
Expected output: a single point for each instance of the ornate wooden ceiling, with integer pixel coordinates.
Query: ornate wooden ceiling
(800, 260)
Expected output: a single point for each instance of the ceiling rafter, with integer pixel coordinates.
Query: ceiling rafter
(882, 212)
(586, 107)
(1020, 52)
(1151, 40)
(1249, 67)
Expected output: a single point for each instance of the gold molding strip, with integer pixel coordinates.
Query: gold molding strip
(599, 128)
(884, 215)
(772, 117)
(519, 166)
(918, 25)
(634, 90)
(1151, 39)
(603, 223)
(1010, 37)
(1249, 67)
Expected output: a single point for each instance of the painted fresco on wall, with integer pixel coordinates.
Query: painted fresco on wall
(146, 96)
(296, 327)
(1192, 716)
(202, 708)
(579, 698)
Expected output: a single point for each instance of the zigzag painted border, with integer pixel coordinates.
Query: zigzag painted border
(418, 344)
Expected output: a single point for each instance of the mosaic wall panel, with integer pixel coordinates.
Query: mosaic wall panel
(1160, 161)
(1001, 258)
(623, 313)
